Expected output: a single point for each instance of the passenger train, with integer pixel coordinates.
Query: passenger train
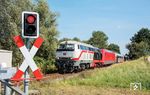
(73, 56)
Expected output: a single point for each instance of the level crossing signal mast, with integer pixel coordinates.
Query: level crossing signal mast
(30, 24)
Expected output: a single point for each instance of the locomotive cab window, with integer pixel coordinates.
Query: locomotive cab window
(66, 47)
(82, 47)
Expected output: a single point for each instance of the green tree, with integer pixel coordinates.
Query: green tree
(10, 18)
(140, 44)
(76, 39)
(137, 50)
(48, 31)
(68, 39)
(98, 39)
(142, 35)
(85, 41)
(114, 47)
(64, 39)
(10, 26)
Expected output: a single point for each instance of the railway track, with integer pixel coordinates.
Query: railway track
(53, 77)
(58, 77)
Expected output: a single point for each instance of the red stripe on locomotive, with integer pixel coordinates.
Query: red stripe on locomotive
(83, 51)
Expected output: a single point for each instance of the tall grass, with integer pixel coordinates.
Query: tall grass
(119, 75)
(112, 80)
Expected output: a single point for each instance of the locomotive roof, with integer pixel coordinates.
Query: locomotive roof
(76, 42)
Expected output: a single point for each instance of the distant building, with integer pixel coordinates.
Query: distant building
(5, 58)
(5, 61)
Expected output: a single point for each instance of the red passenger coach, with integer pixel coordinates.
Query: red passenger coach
(108, 57)
(103, 57)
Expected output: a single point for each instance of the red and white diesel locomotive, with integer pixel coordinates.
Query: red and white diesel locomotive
(73, 56)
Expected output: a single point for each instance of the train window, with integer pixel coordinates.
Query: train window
(70, 46)
(66, 47)
(84, 47)
(62, 46)
(93, 49)
(81, 47)
(96, 50)
(90, 49)
(87, 48)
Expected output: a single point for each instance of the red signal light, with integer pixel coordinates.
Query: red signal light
(31, 19)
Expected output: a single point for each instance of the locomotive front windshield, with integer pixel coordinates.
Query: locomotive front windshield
(66, 47)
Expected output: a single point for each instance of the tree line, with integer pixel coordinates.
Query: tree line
(10, 26)
(99, 39)
(140, 44)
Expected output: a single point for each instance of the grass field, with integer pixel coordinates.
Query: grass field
(112, 80)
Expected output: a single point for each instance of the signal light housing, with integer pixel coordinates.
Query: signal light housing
(30, 24)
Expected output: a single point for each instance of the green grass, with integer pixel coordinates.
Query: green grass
(111, 80)
(119, 75)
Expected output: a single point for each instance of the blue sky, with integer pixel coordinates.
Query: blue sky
(118, 19)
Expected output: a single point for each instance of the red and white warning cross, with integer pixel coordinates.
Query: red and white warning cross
(28, 58)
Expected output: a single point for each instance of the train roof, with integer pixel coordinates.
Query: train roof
(112, 52)
(76, 42)
(107, 50)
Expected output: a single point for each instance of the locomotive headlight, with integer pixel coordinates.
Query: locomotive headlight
(57, 57)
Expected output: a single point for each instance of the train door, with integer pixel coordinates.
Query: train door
(97, 58)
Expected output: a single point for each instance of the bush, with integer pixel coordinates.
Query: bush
(46, 66)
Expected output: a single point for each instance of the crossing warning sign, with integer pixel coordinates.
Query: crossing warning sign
(28, 58)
